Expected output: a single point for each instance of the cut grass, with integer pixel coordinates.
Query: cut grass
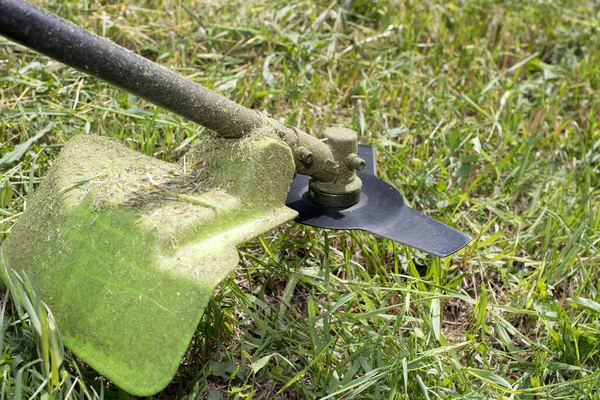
(484, 114)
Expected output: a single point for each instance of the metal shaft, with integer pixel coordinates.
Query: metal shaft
(329, 165)
(57, 38)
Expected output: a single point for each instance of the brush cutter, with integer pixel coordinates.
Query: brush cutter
(127, 249)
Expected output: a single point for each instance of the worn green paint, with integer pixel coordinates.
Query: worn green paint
(127, 249)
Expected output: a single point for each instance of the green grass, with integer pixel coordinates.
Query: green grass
(486, 115)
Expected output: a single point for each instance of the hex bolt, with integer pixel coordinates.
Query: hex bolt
(345, 189)
(356, 163)
(305, 156)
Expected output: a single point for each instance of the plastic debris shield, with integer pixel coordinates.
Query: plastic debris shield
(127, 249)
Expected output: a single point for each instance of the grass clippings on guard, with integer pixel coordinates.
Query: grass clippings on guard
(484, 114)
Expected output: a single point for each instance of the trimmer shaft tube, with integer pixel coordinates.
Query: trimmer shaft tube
(59, 39)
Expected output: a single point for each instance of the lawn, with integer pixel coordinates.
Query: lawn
(485, 115)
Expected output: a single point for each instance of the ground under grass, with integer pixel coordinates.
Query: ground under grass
(485, 115)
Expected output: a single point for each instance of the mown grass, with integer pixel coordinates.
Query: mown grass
(484, 114)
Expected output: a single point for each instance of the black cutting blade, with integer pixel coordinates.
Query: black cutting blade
(380, 211)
